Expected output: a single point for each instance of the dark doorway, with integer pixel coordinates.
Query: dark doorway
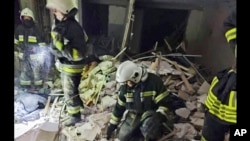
(159, 24)
(95, 19)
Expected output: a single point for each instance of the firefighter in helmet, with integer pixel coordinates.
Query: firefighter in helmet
(28, 42)
(147, 101)
(221, 102)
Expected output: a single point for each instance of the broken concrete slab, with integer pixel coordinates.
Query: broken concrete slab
(204, 88)
(185, 131)
(183, 112)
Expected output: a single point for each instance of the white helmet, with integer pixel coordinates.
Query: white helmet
(27, 12)
(62, 5)
(128, 70)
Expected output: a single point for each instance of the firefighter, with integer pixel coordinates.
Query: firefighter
(221, 100)
(28, 42)
(146, 99)
(69, 47)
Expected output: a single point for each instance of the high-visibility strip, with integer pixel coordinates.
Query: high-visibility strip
(114, 120)
(16, 41)
(163, 110)
(129, 99)
(73, 110)
(25, 83)
(222, 111)
(130, 95)
(71, 68)
(58, 45)
(21, 38)
(75, 54)
(203, 138)
(231, 34)
(120, 102)
(148, 93)
(42, 44)
(161, 96)
(32, 39)
(146, 115)
(212, 100)
(39, 82)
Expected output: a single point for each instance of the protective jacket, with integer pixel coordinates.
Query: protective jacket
(69, 44)
(28, 43)
(149, 95)
(221, 100)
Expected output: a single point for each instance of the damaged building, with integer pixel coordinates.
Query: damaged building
(180, 41)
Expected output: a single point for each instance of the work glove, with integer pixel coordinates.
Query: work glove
(110, 130)
(152, 127)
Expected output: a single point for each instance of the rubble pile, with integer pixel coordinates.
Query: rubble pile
(98, 91)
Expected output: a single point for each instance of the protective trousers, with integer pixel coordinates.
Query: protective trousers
(31, 67)
(213, 130)
(130, 128)
(70, 85)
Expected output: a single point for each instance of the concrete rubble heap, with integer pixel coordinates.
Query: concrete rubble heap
(98, 90)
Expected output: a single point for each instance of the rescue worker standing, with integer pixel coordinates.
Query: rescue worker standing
(28, 42)
(221, 101)
(146, 99)
(69, 49)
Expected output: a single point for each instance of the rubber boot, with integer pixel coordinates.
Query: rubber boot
(73, 120)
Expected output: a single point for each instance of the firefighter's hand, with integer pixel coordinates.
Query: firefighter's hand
(110, 130)
(152, 127)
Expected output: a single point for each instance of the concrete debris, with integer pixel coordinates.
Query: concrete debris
(198, 122)
(185, 131)
(98, 91)
(203, 88)
(183, 112)
(191, 105)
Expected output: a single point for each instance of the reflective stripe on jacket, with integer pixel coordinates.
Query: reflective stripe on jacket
(222, 97)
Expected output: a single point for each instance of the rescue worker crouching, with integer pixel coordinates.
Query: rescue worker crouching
(146, 99)
(221, 102)
(28, 42)
(69, 48)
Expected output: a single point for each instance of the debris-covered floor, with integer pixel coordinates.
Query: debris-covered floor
(39, 116)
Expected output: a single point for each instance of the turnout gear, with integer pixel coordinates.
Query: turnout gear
(68, 46)
(110, 130)
(148, 95)
(73, 120)
(152, 127)
(231, 31)
(221, 102)
(29, 42)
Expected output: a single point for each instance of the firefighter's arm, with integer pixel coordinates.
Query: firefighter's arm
(117, 113)
(68, 50)
(162, 100)
(230, 30)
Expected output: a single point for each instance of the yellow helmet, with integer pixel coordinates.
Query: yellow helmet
(27, 12)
